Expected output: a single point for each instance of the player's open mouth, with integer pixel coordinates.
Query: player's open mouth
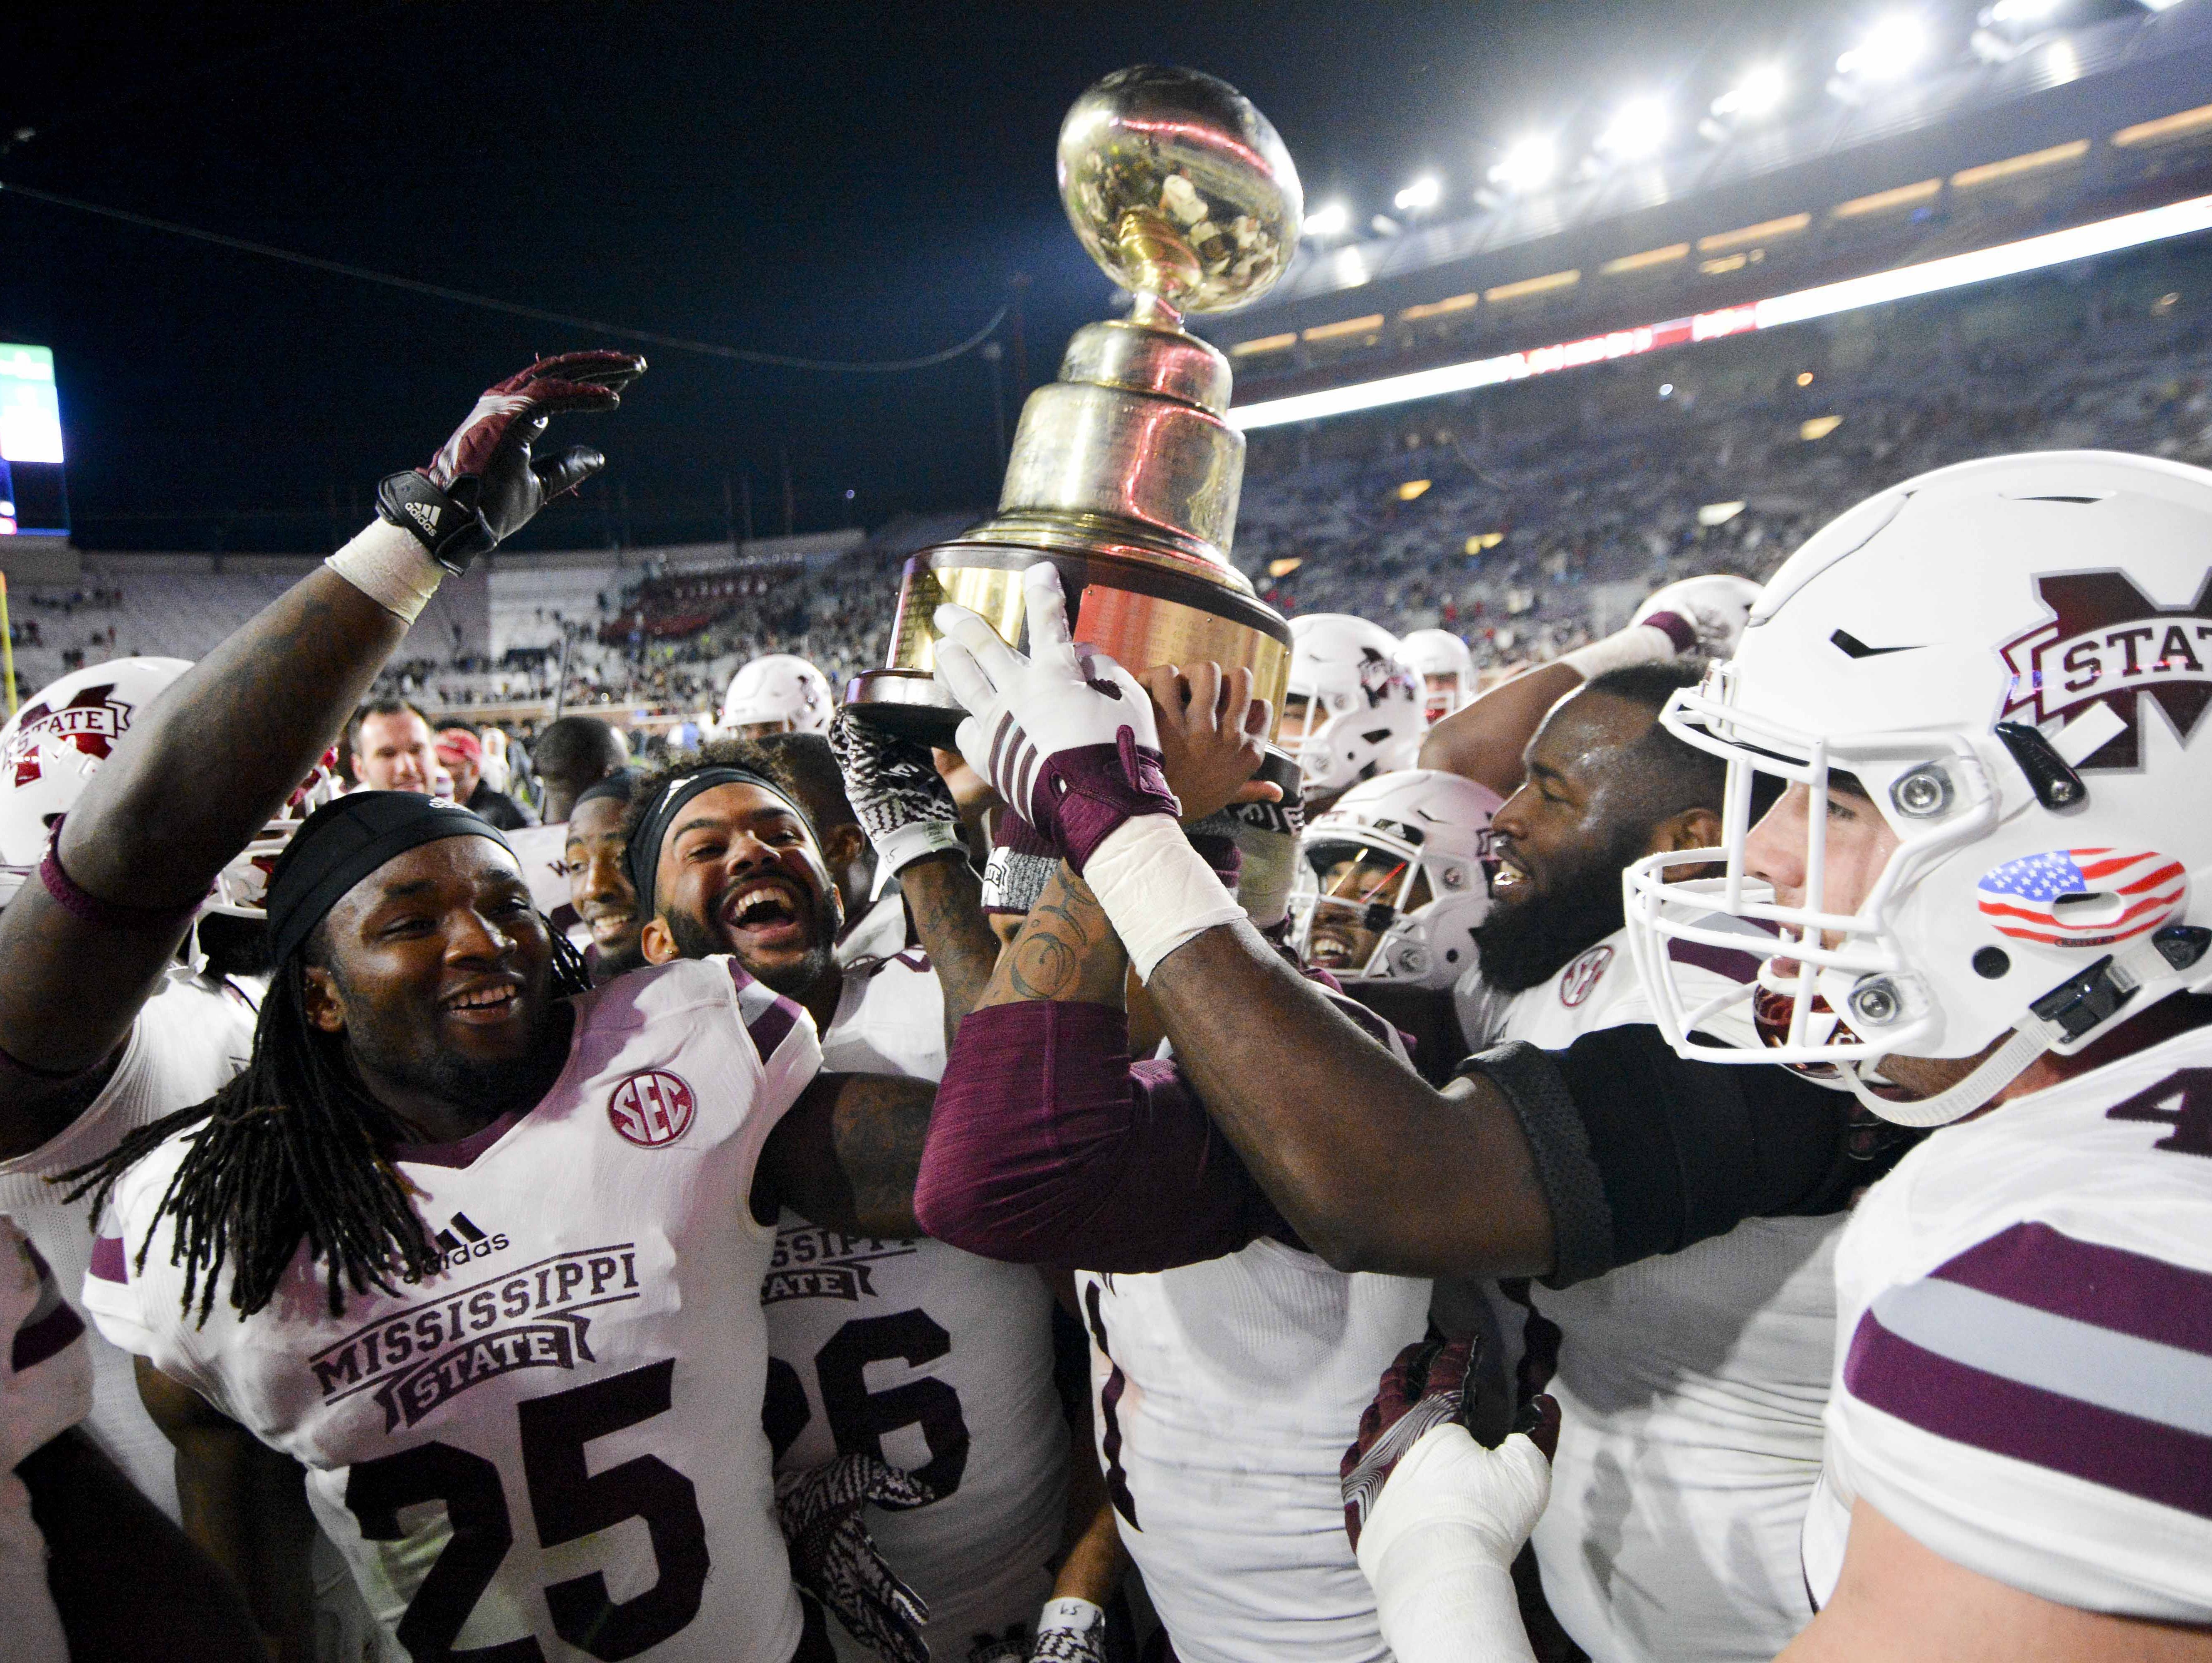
(485, 1002)
(1328, 950)
(766, 912)
(1510, 877)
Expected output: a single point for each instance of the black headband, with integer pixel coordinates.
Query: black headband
(642, 856)
(342, 842)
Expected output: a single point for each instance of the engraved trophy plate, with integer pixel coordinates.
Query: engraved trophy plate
(1123, 472)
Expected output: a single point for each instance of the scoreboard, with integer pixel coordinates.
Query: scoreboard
(33, 498)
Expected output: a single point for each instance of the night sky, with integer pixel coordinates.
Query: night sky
(829, 180)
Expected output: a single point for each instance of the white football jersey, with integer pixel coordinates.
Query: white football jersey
(2023, 1376)
(45, 1388)
(932, 1358)
(1224, 1395)
(1690, 1388)
(190, 1039)
(555, 1445)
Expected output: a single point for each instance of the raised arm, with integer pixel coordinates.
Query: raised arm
(1484, 741)
(1050, 1145)
(204, 769)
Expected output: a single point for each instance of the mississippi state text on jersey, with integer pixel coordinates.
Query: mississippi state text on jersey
(552, 1450)
(2025, 1346)
(933, 1359)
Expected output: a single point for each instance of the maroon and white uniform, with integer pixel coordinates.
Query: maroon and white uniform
(2024, 1371)
(553, 1446)
(934, 1359)
(45, 1388)
(188, 1041)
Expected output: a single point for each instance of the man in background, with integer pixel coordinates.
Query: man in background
(391, 745)
(461, 754)
(571, 754)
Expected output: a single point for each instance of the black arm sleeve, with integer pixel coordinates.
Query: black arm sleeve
(1641, 1152)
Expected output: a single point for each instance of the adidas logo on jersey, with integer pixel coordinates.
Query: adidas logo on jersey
(461, 1241)
(426, 516)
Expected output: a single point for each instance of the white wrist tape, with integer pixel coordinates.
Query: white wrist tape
(1066, 1612)
(1439, 1545)
(901, 846)
(1640, 643)
(391, 567)
(1157, 890)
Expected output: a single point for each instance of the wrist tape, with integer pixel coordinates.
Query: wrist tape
(1157, 890)
(1640, 643)
(392, 568)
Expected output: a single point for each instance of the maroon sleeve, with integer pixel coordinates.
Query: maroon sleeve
(1048, 1146)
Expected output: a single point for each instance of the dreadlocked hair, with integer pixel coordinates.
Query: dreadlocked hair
(293, 1149)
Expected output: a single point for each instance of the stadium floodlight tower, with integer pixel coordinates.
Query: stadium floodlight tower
(1125, 472)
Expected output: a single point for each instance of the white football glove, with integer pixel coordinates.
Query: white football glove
(1065, 735)
(1715, 606)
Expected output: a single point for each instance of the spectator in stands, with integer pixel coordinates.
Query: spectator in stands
(571, 754)
(391, 747)
(461, 754)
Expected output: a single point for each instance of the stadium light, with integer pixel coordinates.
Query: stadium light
(1331, 219)
(1638, 129)
(1528, 165)
(1423, 194)
(2160, 5)
(1758, 94)
(1890, 48)
(2150, 225)
(2022, 11)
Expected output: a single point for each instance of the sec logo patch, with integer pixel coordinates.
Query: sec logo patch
(653, 1108)
(1580, 979)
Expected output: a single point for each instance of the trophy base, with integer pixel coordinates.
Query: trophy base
(907, 702)
(1143, 606)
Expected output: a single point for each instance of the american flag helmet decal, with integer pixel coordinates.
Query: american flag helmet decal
(2115, 893)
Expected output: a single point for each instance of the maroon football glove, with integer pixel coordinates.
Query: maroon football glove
(482, 487)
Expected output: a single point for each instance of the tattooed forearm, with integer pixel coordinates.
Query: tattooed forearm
(1065, 950)
(946, 899)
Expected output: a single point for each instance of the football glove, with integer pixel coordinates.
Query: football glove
(834, 1558)
(482, 487)
(1065, 735)
(901, 801)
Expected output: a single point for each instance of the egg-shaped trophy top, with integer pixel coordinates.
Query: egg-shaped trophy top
(1179, 188)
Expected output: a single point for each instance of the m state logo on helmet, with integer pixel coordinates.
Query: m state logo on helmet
(1981, 650)
(50, 752)
(2107, 645)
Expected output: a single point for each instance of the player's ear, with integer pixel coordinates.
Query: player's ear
(1692, 829)
(325, 1009)
(845, 844)
(657, 941)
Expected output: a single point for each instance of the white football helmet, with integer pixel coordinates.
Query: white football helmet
(780, 692)
(2011, 658)
(56, 742)
(1351, 707)
(1396, 880)
(1445, 665)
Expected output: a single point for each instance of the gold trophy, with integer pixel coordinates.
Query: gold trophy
(1124, 473)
